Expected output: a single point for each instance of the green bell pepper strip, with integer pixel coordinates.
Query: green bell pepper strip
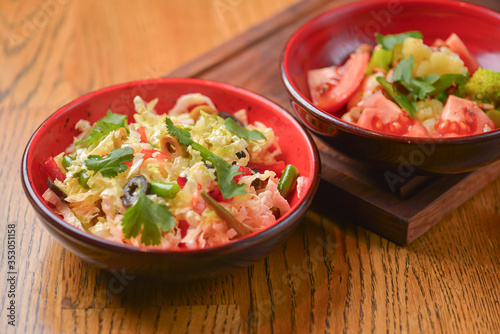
(83, 178)
(165, 190)
(67, 161)
(287, 180)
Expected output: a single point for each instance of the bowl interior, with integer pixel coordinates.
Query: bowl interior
(57, 132)
(331, 37)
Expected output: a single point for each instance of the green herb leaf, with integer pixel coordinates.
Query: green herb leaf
(111, 165)
(401, 99)
(430, 78)
(447, 80)
(149, 216)
(388, 41)
(225, 172)
(404, 70)
(418, 88)
(242, 132)
(102, 127)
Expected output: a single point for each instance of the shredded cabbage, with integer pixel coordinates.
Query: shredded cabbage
(97, 205)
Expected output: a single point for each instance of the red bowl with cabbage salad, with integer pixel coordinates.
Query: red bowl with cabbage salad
(331, 38)
(142, 256)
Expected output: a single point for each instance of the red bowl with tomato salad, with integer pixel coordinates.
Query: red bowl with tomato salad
(57, 132)
(330, 38)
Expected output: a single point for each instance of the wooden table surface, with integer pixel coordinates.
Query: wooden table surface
(329, 276)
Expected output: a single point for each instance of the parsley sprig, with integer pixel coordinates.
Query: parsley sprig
(225, 171)
(148, 216)
(102, 127)
(111, 165)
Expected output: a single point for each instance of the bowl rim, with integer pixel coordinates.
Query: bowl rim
(247, 241)
(344, 126)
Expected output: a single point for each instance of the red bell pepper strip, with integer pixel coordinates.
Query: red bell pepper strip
(277, 167)
(181, 181)
(245, 171)
(216, 194)
(142, 131)
(53, 170)
(154, 154)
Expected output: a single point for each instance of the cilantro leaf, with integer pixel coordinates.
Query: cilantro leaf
(225, 171)
(447, 80)
(404, 69)
(242, 132)
(388, 41)
(111, 165)
(420, 89)
(400, 98)
(149, 216)
(102, 127)
(417, 88)
(430, 78)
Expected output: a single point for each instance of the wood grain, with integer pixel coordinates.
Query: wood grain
(329, 276)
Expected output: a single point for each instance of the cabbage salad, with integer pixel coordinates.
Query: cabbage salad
(193, 178)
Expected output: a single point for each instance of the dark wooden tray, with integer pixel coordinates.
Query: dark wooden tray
(251, 60)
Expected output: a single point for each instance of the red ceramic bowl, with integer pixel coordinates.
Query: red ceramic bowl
(330, 38)
(57, 132)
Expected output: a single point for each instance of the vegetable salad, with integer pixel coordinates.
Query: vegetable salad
(194, 178)
(407, 88)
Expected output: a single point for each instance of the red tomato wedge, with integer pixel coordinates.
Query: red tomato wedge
(331, 87)
(382, 115)
(462, 117)
(457, 46)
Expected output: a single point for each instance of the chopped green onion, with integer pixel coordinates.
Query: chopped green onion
(225, 215)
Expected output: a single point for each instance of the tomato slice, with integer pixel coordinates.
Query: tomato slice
(457, 46)
(382, 115)
(462, 117)
(331, 87)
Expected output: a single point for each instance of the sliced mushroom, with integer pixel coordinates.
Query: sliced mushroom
(171, 147)
(119, 136)
(195, 112)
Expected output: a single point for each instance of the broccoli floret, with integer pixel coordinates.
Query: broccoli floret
(483, 86)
